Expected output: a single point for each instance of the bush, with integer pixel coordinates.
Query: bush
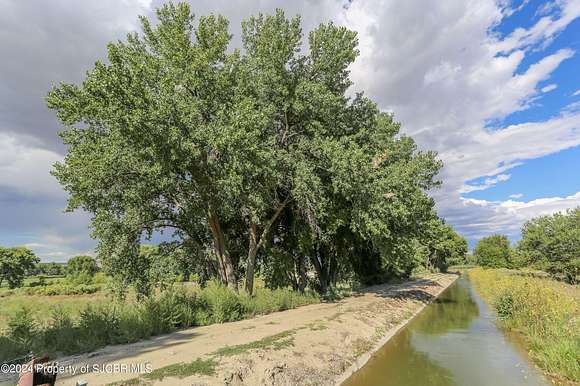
(504, 305)
(223, 303)
(61, 332)
(62, 289)
(22, 328)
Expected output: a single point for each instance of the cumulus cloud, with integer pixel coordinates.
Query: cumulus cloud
(446, 84)
(516, 195)
(507, 217)
(438, 65)
(545, 29)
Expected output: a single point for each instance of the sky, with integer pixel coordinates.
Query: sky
(492, 85)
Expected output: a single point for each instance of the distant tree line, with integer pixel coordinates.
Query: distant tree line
(17, 263)
(549, 243)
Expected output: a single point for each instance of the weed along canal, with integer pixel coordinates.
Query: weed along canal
(454, 341)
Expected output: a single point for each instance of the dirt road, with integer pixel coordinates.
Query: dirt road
(319, 344)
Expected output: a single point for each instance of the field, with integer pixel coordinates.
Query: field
(545, 312)
(41, 306)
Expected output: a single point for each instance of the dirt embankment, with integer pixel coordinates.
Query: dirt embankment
(313, 345)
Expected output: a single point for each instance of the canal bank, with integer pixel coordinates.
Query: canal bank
(363, 359)
(311, 345)
(453, 342)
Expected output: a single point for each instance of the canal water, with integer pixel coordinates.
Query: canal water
(453, 342)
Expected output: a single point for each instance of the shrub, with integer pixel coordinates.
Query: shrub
(133, 325)
(504, 305)
(61, 332)
(81, 278)
(62, 289)
(22, 327)
(224, 304)
(99, 326)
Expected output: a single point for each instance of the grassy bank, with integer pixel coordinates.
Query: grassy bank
(545, 312)
(61, 331)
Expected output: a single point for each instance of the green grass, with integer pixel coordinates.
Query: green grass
(42, 306)
(61, 325)
(183, 370)
(177, 370)
(545, 312)
(275, 342)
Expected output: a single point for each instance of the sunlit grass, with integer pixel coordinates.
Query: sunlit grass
(42, 306)
(61, 325)
(545, 312)
(275, 342)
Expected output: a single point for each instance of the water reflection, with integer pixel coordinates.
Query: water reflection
(403, 369)
(453, 342)
(453, 310)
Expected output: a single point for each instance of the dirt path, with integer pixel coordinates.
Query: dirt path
(313, 345)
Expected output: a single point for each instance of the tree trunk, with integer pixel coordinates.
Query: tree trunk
(251, 264)
(320, 266)
(226, 267)
(256, 244)
(301, 268)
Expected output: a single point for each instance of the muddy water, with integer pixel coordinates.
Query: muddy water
(453, 342)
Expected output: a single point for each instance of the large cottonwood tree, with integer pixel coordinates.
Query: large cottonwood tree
(177, 131)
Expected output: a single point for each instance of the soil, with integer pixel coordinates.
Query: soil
(320, 344)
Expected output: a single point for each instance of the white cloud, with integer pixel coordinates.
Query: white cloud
(576, 93)
(486, 184)
(544, 30)
(508, 216)
(549, 87)
(435, 64)
(446, 84)
(516, 195)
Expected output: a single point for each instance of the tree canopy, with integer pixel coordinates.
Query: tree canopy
(242, 158)
(441, 246)
(552, 243)
(15, 263)
(493, 251)
(82, 265)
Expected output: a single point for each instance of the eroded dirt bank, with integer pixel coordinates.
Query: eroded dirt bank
(312, 345)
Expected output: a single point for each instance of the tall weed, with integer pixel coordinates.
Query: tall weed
(546, 312)
(131, 321)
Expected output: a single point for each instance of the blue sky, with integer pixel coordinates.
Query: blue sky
(566, 77)
(556, 174)
(488, 84)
